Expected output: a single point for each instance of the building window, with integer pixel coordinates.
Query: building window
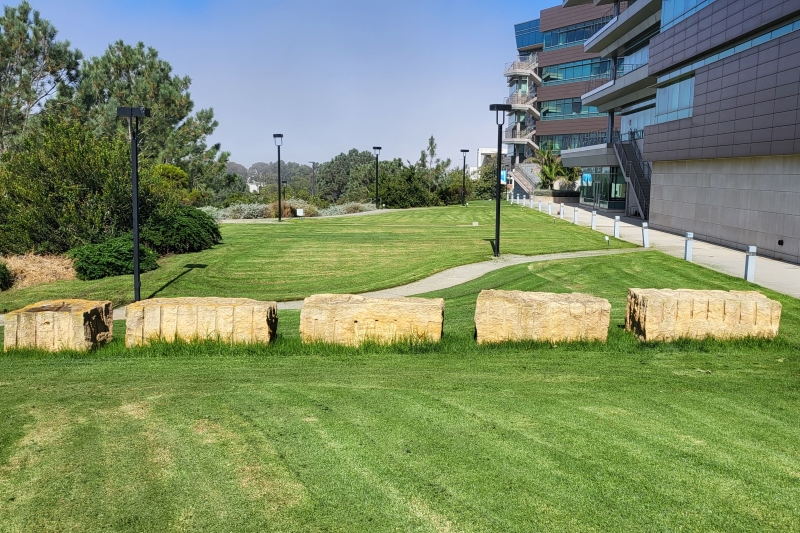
(575, 71)
(603, 187)
(675, 101)
(572, 35)
(568, 108)
(634, 118)
(674, 11)
(528, 34)
(557, 143)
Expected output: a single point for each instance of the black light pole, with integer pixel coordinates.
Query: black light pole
(464, 180)
(377, 151)
(500, 117)
(133, 114)
(279, 142)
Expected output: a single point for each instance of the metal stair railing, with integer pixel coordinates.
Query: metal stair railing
(634, 172)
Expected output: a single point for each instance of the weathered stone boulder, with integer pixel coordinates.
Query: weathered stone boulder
(666, 315)
(352, 320)
(56, 325)
(237, 320)
(539, 316)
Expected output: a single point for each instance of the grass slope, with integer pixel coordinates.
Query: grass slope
(694, 436)
(351, 254)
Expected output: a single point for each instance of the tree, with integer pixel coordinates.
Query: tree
(485, 188)
(34, 67)
(334, 176)
(551, 170)
(63, 188)
(135, 75)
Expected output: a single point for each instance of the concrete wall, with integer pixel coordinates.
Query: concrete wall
(737, 202)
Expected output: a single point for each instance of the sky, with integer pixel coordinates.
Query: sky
(331, 75)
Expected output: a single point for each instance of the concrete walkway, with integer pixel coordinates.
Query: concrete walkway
(776, 275)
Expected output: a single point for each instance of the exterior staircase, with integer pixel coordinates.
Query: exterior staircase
(525, 178)
(637, 172)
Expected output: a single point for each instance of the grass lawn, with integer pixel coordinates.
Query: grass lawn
(299, 258)
(688, 436)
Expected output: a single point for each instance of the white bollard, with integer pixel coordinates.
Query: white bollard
(562, 211)
(616, 227)
(574, 215)
(594, 219)
(750, 264)
(540, 206)
(687, 251)
(549, 209)
(645, 235)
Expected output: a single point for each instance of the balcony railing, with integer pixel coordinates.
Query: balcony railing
(519, 98)
(609, 16)
(598, 80)
(516, 131)
(528, 63)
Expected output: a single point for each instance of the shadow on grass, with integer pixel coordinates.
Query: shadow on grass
(188, 268)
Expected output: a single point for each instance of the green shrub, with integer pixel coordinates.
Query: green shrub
(557, 193)
(6, 277)
(181, 229)
(111, 258)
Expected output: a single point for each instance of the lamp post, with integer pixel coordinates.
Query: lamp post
(133, 114)
(500, 117)
(464, 180)
(279, 142)
(377, 151)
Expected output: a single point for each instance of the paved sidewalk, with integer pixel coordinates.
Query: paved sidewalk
(776, 275)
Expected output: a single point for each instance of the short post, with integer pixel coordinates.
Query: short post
(540, 206)
(575, 215)
(616, 227)
(750, 264)
(562, 211)
(594, 220)
(549, 208)
(687, 251)
(645, 235)
(516, 199)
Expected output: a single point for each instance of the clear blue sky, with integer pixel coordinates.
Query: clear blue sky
(329, 74)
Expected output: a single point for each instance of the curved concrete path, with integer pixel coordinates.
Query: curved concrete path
(462, 274)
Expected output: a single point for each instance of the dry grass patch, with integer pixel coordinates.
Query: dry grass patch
(30, 269)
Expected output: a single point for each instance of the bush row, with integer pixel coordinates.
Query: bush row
(6, 278)
(289, 208)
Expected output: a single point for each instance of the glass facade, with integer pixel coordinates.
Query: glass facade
(528, 34)
(675, 101)
(572, 35)
(568, 141)
(518, 86)
(635, 117)
(568, 108)
(575, 71)
(674, 11)
(603, 187)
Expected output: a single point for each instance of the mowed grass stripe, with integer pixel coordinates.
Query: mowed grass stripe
(692, 435)
(299, 258)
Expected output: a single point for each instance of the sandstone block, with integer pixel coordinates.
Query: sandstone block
(351, 320)
(238, 320)
(516, 316)
(56, 325)
(666, 315)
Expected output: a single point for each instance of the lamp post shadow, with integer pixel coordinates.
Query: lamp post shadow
(188, 268)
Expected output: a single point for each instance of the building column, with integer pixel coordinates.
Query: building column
(610, 130)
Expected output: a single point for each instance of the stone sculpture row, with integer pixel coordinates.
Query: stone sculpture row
(350, 320)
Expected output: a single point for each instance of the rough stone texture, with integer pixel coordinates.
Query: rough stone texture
(238, 320)
(56, 325)
(351, 320)
(665, 315)
(516, 316)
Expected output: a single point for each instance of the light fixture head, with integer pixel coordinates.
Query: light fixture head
(278, 139)
(376, 150)
(465, 152)
(130, 112)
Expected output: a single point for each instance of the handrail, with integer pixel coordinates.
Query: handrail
(610, 16)
(523, 133)
(519, 98)
(636, 170)
(529, 62)
(598, 80)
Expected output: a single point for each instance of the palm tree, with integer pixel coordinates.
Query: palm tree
(550, 168)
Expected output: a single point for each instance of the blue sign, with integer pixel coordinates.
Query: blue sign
(503, 178)
(586, 180)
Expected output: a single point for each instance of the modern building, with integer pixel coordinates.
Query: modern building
(702, 105)
(546, 83)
